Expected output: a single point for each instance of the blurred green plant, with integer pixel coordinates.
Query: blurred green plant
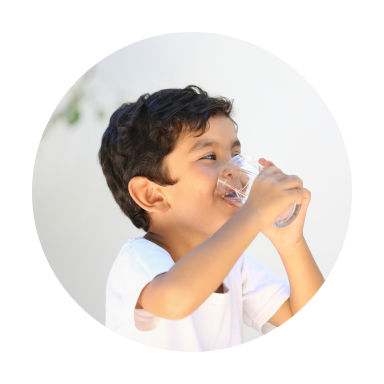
(72, 114)
(71, 108)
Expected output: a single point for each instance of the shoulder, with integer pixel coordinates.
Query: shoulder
(139, 256)
(141, 250)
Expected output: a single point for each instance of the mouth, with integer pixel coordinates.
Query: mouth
(229, 192)
(228, 203)
(225, 200)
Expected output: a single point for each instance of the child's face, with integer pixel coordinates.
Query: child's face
(194, 203)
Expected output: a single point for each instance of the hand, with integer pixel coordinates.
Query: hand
(270, 194)
(291, 235)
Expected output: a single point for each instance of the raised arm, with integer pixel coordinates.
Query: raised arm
(179, 292)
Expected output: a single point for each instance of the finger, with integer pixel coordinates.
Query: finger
(279, 177)
(307, 194)
(296, 194)
(272, 170)
(265, 163)
(262, 161)
(292, 181)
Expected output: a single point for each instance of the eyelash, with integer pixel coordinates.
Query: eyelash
(205, 157)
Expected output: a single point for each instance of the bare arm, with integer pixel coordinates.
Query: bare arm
(304, 276)
(200, 272)
(179, 292)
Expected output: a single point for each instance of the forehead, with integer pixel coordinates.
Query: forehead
(220, 132)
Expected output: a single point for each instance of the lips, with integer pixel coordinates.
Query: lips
(228, 202)
(228, 192)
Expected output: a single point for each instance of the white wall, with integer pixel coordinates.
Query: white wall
(280, 117)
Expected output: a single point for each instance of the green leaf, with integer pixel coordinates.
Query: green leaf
(72, 115)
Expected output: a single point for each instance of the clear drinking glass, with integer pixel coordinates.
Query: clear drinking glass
(235, 182)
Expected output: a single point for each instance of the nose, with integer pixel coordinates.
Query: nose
(233, 176)
(231, 168)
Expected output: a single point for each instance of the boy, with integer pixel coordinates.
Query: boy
(189, 284)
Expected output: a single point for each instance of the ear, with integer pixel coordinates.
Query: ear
(147, 195)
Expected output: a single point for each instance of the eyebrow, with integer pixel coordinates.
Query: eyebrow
(205, 143)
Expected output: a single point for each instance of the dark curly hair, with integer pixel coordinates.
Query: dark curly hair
(142, 133)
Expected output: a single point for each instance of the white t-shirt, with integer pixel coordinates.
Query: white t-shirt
(252, 295)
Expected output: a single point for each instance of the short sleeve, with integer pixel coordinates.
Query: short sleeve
(137, 264)
(263, 294)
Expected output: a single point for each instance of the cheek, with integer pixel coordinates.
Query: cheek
(209, 174)
(199, 190)
(205, 182)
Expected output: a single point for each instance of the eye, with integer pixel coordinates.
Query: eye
(208, 156)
